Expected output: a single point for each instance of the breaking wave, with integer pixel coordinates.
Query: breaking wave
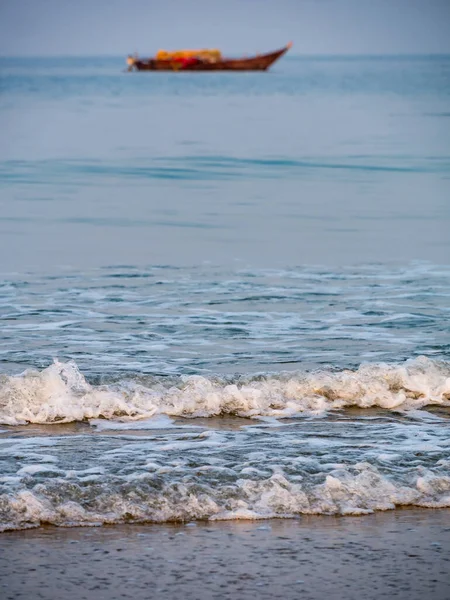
(149, 498)
(61, 394)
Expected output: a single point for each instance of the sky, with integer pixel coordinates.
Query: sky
(117, 27)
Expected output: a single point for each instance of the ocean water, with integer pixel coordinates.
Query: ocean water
(223, 296)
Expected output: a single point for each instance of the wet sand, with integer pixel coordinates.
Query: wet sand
(403, 554)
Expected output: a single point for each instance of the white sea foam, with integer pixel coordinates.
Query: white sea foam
(43, 468)
(156, 422)
(60, 394)
(359, 490)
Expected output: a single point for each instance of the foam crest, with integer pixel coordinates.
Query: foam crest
(60, 393)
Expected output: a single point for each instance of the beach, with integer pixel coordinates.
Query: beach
(402, 554)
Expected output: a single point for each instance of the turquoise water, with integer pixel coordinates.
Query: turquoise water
(223, 295)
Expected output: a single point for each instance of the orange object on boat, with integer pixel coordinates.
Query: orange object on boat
(211, 55)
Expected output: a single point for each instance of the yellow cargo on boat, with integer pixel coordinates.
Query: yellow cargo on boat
(210, 55)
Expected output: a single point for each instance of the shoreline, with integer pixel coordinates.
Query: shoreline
(402, 554)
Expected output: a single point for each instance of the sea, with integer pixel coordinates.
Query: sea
(223, 296)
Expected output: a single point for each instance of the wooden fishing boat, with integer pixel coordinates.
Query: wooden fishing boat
(203, 60)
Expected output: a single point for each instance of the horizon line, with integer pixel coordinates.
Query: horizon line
(291, 54)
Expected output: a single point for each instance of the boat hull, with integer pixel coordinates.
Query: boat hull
(260, 62)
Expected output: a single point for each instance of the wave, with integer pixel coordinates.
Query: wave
(151, 498)
(61, 394)
(213, 168)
